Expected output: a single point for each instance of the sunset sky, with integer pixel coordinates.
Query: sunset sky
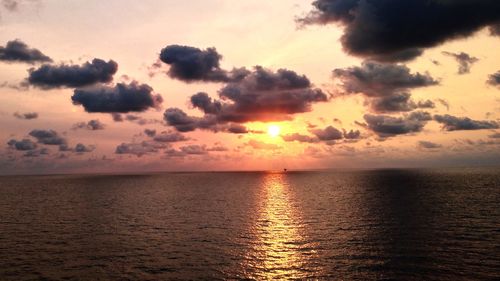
(135, 86)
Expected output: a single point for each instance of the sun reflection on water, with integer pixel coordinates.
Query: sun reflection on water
(281, 250)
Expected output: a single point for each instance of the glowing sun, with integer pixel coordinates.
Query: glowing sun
(273, 131)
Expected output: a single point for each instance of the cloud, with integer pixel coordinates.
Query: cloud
(22, 145)
(388, 126)
(263, 96)
(465, 61)
(352, 135)
(253, 95)
(393, 30)
(398, 102)
(158, 142)
(182, 122)
(92, 125)
(328, 134)
(26, 116)
(18, 51)
(141, 148)
(81, 148)
(299, 138)
(72, 76)
(117, 117)
(237, 129)
(452, 123)
(494, 79)
(150, 132)
(194, 149)
(170, 137)
(385, 85)
(48, 137)
(428, 145)
(380, 80)
(192, 64)
(122, 98)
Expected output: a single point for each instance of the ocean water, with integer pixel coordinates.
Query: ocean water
(345, 225)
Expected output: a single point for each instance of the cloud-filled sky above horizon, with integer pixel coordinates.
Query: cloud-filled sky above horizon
(135, 86)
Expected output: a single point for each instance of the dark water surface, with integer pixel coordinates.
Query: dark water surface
(365, 225)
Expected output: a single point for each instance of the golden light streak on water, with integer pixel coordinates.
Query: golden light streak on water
(281, 250)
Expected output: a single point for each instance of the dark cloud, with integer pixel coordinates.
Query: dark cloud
(65, 147)
(141, 148)
(495, 29)
(379, 80)
(387, 126)
(117, 117)
(465, 61)
(92, 125)
(385, 85)
(169, 137)
(81, 148)
(182, 122)
(494, 79)
(328, 134)
(48, 137)
(18, 51)
(299, 138)
(192, 64)
(352, 135)
(452, 123)
(122, 98)
(22, 145)
(398, 102)
(73, 76)
(26, 116)
(262, 96)
(428, 145)
(394, 30)
(150, 133)
(194, 149)
(205, 103)
(95, 124)
(237, 129)
(268, 96)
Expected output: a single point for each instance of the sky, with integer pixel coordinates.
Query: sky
(148, 86)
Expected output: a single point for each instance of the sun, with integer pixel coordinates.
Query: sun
(273, 130)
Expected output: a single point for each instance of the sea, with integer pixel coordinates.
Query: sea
(395, 224)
